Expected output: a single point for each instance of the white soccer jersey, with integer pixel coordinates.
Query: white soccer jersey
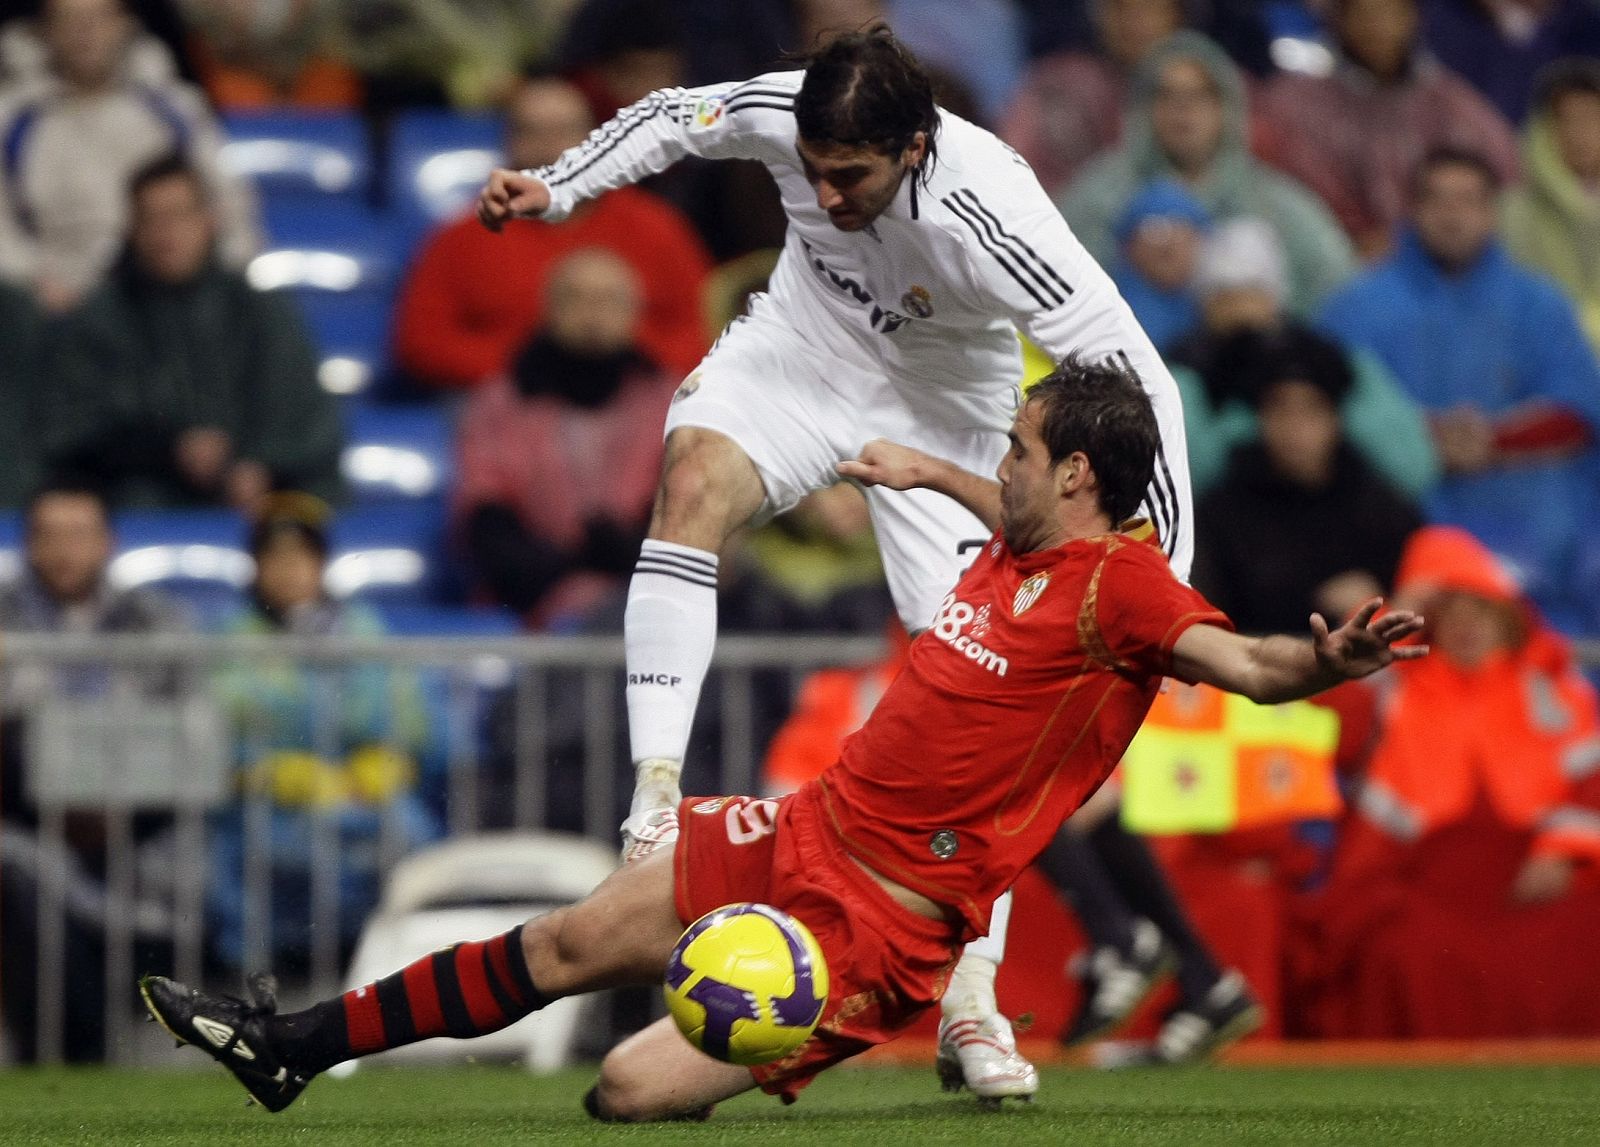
(932, 292)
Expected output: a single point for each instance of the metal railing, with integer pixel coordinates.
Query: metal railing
(153, 743)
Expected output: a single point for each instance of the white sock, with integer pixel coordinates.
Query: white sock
(971, 991)
(993, 946)
(970, 995)
(669, 629)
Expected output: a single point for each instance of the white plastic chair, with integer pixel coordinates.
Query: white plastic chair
(471, 888)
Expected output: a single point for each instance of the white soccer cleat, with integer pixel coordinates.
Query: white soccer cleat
(981, 1055)
(644, 832)
(653, 816)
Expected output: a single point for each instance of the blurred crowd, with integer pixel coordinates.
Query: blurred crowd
(1364, 233)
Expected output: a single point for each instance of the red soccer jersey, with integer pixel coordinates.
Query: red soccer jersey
(1013, 708)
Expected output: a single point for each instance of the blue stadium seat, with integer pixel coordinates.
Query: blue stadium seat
(390, 553)
(10, 545)
(299, 154)
(448, 621)
(341, 259)
(438, 161)
(198, 556)
(398, 452)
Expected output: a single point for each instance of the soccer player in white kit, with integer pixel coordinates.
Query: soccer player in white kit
(918, 244)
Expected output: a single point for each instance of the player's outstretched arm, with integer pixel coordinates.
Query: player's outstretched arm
(511, 195)
(885, 463)
(1283, 668)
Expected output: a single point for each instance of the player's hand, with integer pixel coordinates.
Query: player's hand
(885, 463)
(1362, 646)
(510, 195)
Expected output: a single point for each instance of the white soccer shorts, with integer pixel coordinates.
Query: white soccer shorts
(796, 409)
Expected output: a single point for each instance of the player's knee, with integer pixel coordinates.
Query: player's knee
(622, 1094)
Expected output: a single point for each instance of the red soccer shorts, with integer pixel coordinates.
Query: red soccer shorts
(886, 964)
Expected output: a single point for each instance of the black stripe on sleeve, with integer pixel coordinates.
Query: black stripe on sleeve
(961, 212)
(600, 137)
(1161, 498)
(1036, 268)
(452, 1005)
(1016, 241)
(601, 151)
(1172, 488)
(745, 105)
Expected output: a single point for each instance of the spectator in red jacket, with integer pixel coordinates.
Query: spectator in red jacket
(1356, 135)
(558, 457)
(473, 298)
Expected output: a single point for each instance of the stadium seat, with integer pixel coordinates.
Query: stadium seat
(10, 546)
(438, 160)
(299, 154)
(397, 452)
(340, 260)
(389, 554)
(198, 556)
(449, 621)
(478, 886)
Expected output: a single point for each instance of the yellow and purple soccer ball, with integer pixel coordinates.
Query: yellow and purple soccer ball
(746, 983)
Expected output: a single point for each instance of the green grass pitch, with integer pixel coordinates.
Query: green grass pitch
(880, 1107)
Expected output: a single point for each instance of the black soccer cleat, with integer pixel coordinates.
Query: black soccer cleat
(1193, 1033)
(231, 1031)
(1115, 983)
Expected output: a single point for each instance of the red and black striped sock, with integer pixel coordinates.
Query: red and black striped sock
(466, 990)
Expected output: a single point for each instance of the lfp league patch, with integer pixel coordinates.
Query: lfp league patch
(707, 114)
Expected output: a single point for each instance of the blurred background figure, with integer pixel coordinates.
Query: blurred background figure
(64, 589)
(1354, 136)
(21, 367)
(1187, 120)
(1495, 355)
(1068, 107)
(557, 459)
(1552, 221)
(1464, 893)
(75, 135)
(177, 383)
(1241, 284)
(1158, 241)
(271, 53)
(1300, 521)
(472, 298)
(328, 749)
(1500, 45)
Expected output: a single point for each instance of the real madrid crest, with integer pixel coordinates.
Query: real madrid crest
(918, 302)
(1029, 592)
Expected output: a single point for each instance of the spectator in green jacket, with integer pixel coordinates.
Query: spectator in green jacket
(1187, 120)
(176, 383)
(1552, 222)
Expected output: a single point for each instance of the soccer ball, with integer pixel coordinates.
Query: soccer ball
(746, 983)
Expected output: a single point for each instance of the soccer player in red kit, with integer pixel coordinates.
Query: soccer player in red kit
(1012, 709)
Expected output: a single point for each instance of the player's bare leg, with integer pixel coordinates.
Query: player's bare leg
(657, 1074)
(977, 1048)
(622, 933)
(708, 489)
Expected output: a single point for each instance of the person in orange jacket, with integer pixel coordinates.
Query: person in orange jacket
(1466, 878)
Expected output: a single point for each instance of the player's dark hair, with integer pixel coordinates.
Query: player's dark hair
(172, 165)
(65, 486)
(866, 89)
(1451, 155)
(1100, 407)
